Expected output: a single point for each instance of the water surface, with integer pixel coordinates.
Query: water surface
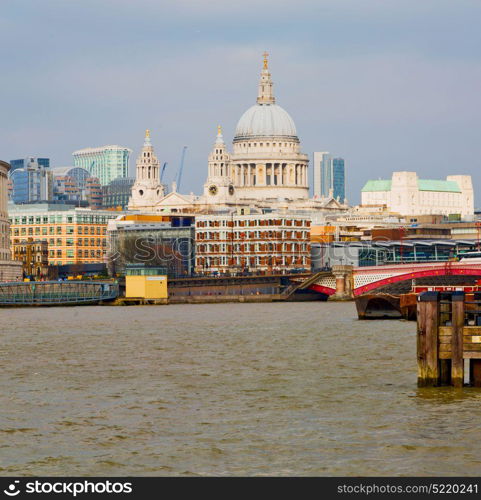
(224, 389)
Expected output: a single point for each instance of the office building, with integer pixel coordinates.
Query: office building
(252, 243)
(106, 162)
(74, 235)
(329, 176)
(31, 181)
(151, 241)
(75, 184)
(116, 194)
(24, 162)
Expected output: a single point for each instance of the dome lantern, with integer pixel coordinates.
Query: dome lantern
(266, 94)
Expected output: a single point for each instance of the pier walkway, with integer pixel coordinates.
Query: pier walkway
(57, 293)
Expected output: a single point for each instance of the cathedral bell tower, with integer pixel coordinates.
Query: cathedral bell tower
(218, 187)
(147, 189)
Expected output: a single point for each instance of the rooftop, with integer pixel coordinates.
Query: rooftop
(423, 185)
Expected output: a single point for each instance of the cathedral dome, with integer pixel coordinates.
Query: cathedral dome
(265, 120)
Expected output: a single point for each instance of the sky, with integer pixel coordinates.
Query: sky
(386, 84)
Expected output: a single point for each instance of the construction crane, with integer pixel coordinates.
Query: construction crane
(163, 170)
(181, 167)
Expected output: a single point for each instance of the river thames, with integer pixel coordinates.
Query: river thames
(224, 389)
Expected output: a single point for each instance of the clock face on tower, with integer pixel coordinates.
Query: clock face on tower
(213, 190)
(231, 189)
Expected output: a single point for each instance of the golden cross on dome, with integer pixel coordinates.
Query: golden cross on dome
(266, 55)
(147, 133)
(219, 130)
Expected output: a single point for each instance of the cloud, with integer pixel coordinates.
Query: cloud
(386, 84)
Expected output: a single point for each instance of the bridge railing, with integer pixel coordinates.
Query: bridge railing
(54, 292)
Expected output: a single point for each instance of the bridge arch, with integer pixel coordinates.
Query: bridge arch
(425, 273)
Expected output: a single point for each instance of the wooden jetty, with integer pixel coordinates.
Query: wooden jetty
(448, 337)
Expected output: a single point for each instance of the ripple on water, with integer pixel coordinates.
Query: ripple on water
(235, 389)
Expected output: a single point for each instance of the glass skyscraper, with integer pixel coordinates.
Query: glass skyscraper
(106, 162)
(31, 180)
(338, 179)
(329, 176)
(22, 163)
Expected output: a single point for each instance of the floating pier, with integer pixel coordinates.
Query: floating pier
(449, 339)
(57, 293)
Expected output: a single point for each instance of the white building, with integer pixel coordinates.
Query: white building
(266, 169)
(267, 162)
(406, 194)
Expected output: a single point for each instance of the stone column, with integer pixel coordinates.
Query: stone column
(261, 178)
(344, 278)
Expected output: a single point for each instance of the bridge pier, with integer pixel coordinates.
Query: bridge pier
(344, 282)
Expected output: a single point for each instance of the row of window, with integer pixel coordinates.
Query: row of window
(255, 247)
(227, 235)
(70, 242)
(274, 144)
(92, 254)
(258, 261)
(62, 218)
(59, 230)
(254, 222)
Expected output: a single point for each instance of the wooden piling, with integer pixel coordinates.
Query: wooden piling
(475, 372)
(457, 361)
(449, 333)
(445, 371)
(427, 339)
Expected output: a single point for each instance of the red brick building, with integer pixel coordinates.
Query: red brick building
(252, 243)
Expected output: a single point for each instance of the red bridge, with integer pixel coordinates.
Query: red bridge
(348, 281)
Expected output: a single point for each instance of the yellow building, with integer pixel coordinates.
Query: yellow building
(74, 235)
(146, 287)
